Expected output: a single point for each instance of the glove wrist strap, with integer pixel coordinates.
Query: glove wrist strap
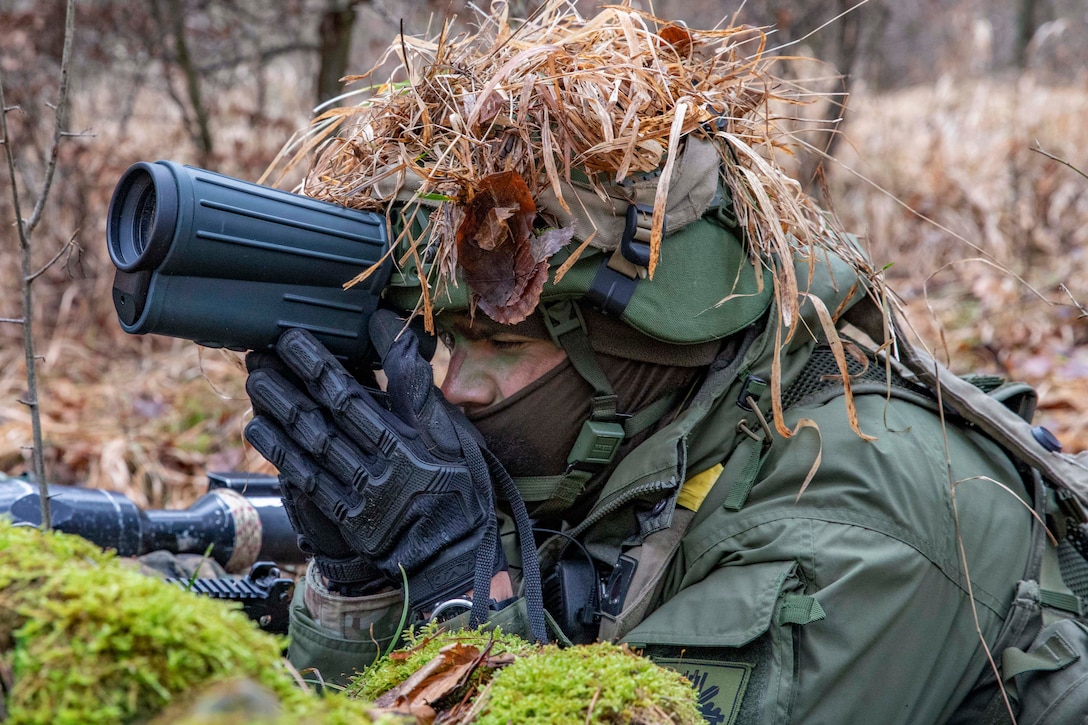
(350, 577)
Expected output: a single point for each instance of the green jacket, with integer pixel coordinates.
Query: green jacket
(848, 602)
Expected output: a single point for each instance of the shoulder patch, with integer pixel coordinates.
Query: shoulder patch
(720, 684)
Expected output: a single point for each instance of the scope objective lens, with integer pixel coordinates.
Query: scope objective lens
(142, 216)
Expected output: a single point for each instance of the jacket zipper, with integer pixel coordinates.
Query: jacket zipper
(621, 498)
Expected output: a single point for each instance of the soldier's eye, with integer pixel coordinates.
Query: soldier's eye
(508, 344)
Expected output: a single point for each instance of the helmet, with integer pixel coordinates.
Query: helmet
(627, 135)
(706, 287)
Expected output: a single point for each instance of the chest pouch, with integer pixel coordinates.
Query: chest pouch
(572, 595)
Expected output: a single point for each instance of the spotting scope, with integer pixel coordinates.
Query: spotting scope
(228, 263)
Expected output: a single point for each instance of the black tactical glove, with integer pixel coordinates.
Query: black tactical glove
(375, 482)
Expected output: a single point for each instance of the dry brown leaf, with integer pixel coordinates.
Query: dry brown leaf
(676, 37)
(835, 342)
(433, 681)
(495, 248)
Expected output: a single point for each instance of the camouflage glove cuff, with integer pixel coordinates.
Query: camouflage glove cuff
(348, 616)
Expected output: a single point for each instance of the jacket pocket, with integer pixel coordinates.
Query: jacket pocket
(734, 636)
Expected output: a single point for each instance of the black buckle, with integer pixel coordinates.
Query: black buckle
(619, 581)
(753, 388)
(635, 250)
(611, 290)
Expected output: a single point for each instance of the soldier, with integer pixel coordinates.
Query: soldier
(684, 460)
(668, 509)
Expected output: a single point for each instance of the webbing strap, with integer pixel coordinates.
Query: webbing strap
(1053, 654)
(799, 609)
(565, 488)
(539, 488)
(530, 565)
(487, 553)
(652, 413)
(558, 491)
(564, 321)
(756, 449)
(600, 436)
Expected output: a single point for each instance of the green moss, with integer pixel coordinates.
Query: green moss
(599, 683)
(242, 701)
(92, 641)
(421, 647)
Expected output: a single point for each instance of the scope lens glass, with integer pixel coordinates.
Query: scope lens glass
(143, 219)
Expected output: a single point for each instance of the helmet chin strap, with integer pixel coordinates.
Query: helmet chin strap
(606, 429)
(600, 436)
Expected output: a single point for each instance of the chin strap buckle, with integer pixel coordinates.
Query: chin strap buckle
(596, 444)
(617, 276)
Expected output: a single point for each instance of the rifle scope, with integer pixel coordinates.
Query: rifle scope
(229, 263)
(241, 516)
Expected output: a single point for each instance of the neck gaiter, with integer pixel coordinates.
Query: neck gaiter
(533, 431)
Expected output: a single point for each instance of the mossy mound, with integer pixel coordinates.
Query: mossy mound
(421, 647)
(513, 681)
(88, 640)
(85, 639)
(243, 701)
(598, 683)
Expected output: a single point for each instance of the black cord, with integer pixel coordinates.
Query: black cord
(534, 591)
(571, 539)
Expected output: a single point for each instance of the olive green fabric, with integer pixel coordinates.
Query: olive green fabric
(705, 287)
(349, 636)
(874, 541)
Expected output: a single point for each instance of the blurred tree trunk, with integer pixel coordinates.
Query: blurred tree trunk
(201, 123)
(170, 18)
(334, 46)
(845, 44)
(1026, 23)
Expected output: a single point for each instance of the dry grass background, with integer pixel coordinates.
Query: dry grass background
(150, 416)
(995, 273)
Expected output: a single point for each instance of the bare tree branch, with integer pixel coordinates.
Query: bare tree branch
(1039, 149)
(25, 229)
(1072, 299)
(45, 268)
(257, 58)
(60, 120)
